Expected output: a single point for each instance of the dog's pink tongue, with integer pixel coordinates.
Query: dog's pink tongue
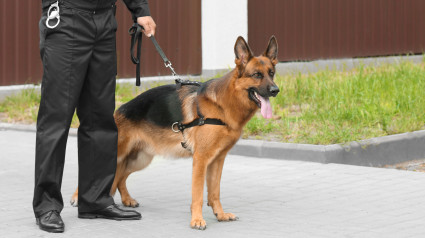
(266, 107)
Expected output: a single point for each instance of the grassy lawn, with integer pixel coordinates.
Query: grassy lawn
(321, 108)
(336, 107)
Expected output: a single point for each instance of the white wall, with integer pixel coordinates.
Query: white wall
(222, 22)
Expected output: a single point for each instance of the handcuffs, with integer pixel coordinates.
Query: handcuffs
(53, 13)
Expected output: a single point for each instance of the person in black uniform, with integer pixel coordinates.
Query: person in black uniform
(77, 48)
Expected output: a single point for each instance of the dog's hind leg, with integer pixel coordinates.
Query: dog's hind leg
(74, 198)
(142, 161)
(126, 199)
(118, 176)
(214, 172)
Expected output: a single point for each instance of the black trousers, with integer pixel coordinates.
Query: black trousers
(79, 63)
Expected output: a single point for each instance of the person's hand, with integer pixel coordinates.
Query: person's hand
(148, 24)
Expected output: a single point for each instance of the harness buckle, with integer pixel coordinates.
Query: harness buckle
(201, 121)
(174, 125)
(53, 13)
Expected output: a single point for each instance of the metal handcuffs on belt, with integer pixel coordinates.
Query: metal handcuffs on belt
(53, 13)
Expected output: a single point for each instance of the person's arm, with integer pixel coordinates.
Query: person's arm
(140, 11)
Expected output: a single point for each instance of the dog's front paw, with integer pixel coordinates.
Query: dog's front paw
(130, 202)
(74, 200)
(226, 217)
(198, 223)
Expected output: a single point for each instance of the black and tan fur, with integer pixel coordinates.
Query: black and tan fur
(144, 126)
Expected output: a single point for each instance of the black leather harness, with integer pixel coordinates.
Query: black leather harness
(136, 38)
(201, 120)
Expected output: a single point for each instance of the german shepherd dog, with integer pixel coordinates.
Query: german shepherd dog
(146, 125)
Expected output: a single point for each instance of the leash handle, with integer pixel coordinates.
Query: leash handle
(136, 39)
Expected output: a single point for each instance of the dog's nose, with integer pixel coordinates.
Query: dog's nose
(274, 90)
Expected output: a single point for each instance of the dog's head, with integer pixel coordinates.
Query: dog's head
(256, 73)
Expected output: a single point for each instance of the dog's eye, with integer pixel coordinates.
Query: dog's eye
(257, 75)
(271, 73)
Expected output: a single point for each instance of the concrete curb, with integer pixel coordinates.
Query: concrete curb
(374, 152)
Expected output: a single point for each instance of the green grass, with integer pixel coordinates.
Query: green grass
(321, 108)
(337, 107)
(20, 108)
(23, 107)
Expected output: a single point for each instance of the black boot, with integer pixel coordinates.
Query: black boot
(112, 212)
(51, 221)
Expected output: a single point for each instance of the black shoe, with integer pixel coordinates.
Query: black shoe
(112, 212)
(51, 222)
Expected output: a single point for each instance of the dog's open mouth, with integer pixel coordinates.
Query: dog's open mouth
(262, 102)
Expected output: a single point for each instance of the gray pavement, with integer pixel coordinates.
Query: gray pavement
(273, 198)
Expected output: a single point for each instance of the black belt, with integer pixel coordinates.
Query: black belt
(82, 5)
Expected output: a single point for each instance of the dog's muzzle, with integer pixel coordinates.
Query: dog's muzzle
(273, 90)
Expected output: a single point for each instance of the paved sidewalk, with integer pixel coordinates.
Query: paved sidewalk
(273, 198)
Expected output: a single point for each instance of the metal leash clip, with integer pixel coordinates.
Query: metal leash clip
(169, 65)
(53, 13)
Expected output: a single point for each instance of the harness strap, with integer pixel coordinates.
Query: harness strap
(200, 121)
(181, 83)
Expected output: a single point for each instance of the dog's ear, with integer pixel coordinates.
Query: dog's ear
(271, 51)
(242, 52)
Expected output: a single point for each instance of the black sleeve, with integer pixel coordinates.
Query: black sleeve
(138, 8)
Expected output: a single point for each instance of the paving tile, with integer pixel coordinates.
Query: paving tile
(273, 198)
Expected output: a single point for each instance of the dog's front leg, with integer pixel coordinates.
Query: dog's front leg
(214, 172)
(198, 179)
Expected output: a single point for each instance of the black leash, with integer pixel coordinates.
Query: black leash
(136, 38)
